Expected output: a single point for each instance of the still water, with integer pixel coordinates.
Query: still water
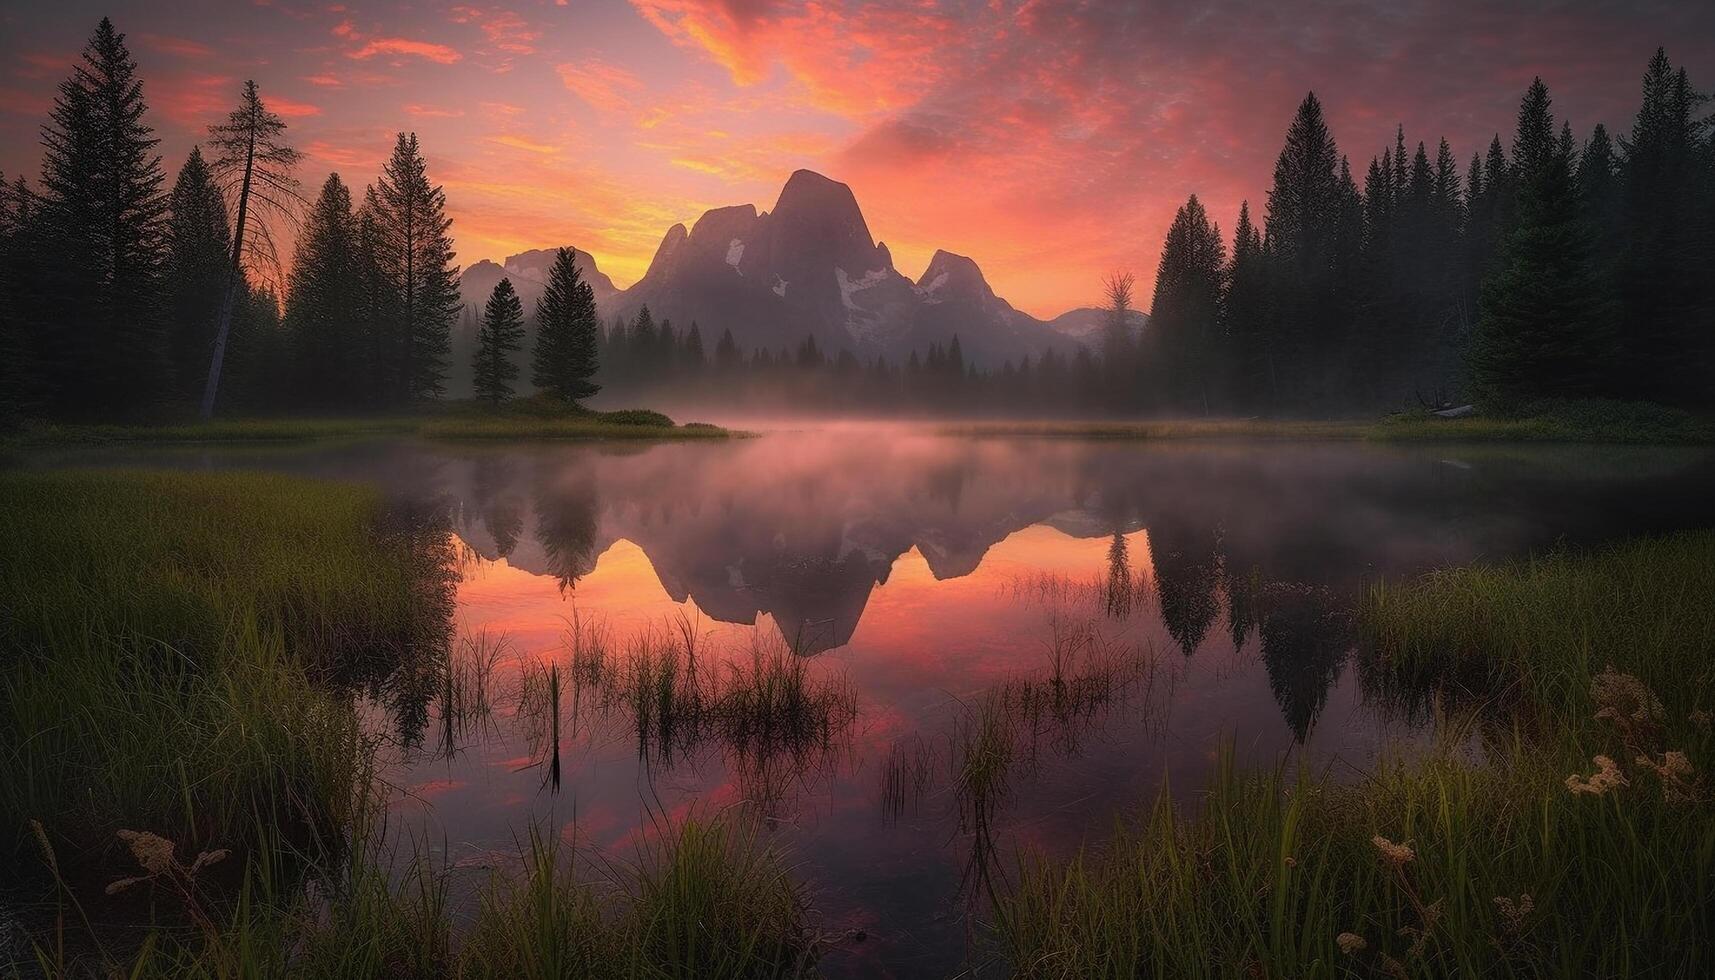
(1189, 596)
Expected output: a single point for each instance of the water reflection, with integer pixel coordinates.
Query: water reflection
(997, 641)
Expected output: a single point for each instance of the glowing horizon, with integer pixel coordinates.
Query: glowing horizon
(1049, 141)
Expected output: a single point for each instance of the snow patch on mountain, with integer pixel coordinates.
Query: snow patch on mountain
(928, 292)
(735, 254)
(850, 287)
(779, 286)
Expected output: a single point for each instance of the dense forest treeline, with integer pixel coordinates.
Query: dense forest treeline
(1550, 267)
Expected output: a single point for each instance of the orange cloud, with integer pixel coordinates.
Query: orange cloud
(606, 87)
(324, 81)
(854, 58)
(509, 32)
(406, 47)
(291, 109)
(432, 112)
(523, 143)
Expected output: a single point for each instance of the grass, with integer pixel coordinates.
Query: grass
(1520, 857)
(173, 649)
(1531, 635)
(164, 639)
(1618, 423)
(769, 712)
(701, 899)
(525, 419)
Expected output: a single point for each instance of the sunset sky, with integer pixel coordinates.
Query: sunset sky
(1050, 141)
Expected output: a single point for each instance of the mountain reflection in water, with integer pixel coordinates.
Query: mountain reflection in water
(1123, 608)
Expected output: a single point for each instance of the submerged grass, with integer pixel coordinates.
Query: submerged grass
(1573, 838)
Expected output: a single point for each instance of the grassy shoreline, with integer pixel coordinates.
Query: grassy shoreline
(1561, 825)
(1608, 423)
(191, 792)
(165, 642)
(465, 424)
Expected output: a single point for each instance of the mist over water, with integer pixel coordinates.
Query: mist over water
(1139, 606)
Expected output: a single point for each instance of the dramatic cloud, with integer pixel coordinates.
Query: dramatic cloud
(1051, 140)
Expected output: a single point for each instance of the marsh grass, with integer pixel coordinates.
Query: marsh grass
(1579, 841)
(1529, 636)
(770, 713)
(905, 777)
(1016, 725)
(702, 898)
(164, 642)
(469, 690)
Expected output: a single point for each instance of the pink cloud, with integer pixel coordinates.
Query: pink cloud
(291, 109)
(405, 47)
(431, 112)
(606, 87)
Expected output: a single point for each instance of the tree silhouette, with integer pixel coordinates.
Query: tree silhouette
(255, 167)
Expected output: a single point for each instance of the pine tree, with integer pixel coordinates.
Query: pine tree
(1305, 208)
(564, 361)
(727, 356)
(1544, 329)
(1599, 186)
(1667, 300)
(377, 314)
(324, 300)
(199, 243)
(693, 356)
(501, 334)
(1247, 314)
(1120, 364)
(645, 337)
(17, 367)
(417, 256)
(103, 216)
(1185, 314)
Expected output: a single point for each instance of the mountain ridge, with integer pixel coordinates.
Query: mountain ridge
(808, 266)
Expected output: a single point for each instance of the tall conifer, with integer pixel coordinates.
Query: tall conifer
(199, 241)
(564, 362)
(501, 333)
(103, 212)
(416, 254)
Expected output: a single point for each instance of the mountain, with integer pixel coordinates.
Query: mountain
(810, 267)
(529, 274)
(1084, 324)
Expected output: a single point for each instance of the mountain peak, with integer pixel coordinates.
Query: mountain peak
(951, 274)
(826, 211)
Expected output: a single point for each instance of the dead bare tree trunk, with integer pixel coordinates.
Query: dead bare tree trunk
(234, 277)
(254, 155)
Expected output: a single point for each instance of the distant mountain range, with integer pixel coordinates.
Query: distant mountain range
(808, 267)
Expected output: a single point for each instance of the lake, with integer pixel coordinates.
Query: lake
(1108, 616)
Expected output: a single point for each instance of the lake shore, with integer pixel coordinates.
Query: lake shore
(180, 666)
(464, 423)
(1603, 425)
(1559, 823)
